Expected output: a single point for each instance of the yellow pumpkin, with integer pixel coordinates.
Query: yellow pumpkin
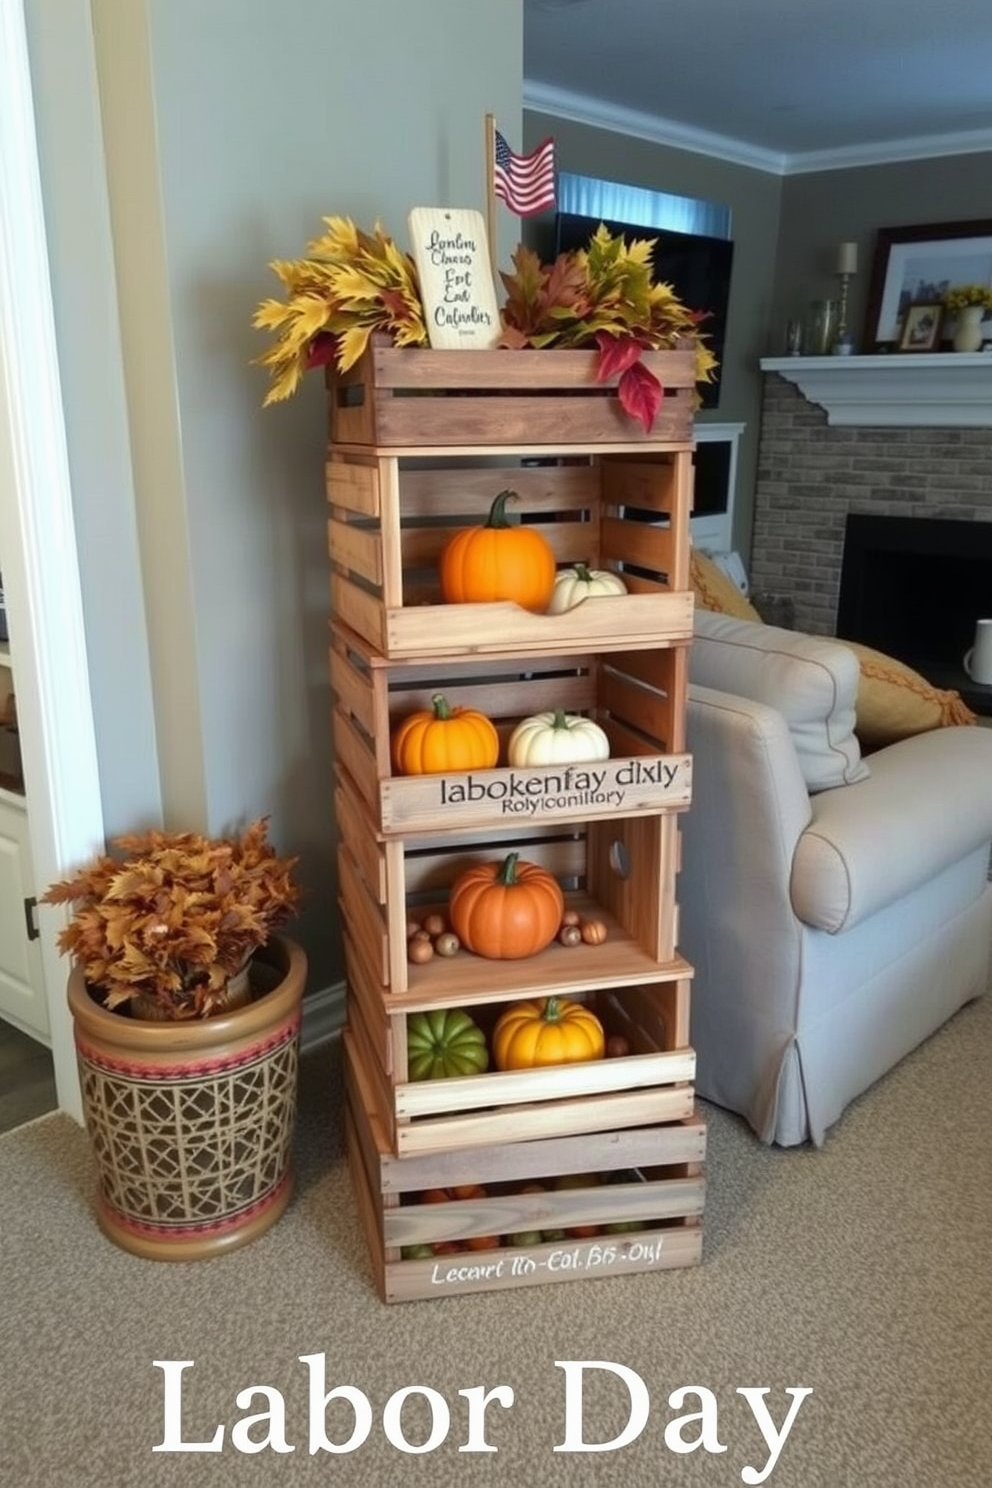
(498, 561)
(443, 738)
(554, 1030)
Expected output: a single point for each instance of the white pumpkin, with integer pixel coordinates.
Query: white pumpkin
(573, 585)
(557, 738)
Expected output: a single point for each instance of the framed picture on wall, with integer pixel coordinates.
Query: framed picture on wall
(916, 266)
(921, 327)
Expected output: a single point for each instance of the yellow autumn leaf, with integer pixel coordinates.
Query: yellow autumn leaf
(311, 317)
(284, 385)
(339, 241)
(351, 283)
(351, 345)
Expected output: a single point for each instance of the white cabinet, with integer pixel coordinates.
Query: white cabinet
(11, 777)
(22, 991)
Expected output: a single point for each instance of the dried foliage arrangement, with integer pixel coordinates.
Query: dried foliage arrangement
(350, 284)
(174, 916)
(602, 297)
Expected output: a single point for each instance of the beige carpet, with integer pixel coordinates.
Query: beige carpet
(862, 1271)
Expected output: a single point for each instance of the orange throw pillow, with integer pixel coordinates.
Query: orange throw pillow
(715, 591)
(895, 702)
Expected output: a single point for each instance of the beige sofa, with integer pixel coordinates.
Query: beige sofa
(836, 909)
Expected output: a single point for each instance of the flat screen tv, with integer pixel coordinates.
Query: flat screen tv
(697, 267)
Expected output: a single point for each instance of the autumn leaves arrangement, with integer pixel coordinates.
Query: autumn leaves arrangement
(168, 918)
(352, 284)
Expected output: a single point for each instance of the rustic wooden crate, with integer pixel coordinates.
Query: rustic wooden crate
(392, 514)
(414, 396)
(637, 698)
(659, 1194)
(651, 1084)
(621, 870)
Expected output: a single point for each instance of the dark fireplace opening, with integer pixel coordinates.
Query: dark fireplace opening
(914, 587)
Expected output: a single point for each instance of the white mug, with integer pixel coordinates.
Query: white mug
(978, 658)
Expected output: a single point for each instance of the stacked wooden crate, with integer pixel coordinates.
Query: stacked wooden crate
(546, 1174)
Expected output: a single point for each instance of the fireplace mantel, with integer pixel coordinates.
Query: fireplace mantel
(949, 390)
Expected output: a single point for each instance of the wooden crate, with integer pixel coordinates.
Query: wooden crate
(638, 699)
(657, 1196)
(620, 870)
(651, 1084)
(391, 515)
(414, 396)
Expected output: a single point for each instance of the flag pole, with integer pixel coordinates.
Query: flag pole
(490, 133)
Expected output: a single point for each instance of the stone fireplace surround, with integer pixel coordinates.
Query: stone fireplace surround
(811, 474)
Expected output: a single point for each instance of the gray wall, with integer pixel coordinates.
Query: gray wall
(229, 128)
(754, 199)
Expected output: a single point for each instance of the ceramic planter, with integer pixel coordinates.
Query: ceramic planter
(192, 1123)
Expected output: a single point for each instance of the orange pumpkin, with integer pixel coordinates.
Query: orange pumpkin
(554, 1030)
(498, 561)
(444, 738)
(506, 910)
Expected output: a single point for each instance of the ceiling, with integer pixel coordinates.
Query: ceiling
(781, 84)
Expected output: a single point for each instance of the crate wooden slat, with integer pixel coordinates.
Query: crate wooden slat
(414, 396)
(422, 442)
(391, 516)
(620, 870)
(412, 1224)
(660, 1197)
(651, 1083)
(638, 701)
(662, 1019)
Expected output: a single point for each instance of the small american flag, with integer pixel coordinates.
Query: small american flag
(525, 182)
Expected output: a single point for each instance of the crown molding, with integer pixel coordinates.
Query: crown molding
(581, 109)
(925, 147)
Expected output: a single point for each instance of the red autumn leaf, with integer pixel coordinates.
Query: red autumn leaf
(397, 304)
(640, 394)
(322, 350)
(616, 354)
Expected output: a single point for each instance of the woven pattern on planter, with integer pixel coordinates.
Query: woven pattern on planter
(195, 1147)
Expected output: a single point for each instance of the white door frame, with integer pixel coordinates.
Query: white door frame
(38, 554)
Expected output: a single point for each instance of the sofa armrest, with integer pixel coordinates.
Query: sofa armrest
(749, 809)
(926, 804)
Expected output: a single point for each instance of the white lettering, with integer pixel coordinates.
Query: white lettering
(275, 1437)
(755, 1398)
(465, 1273)
(640, 1405)
(478, 1398)
(707, 1438)
(392, 1423)
(172, 1441)
(357, 1399)
(262, 1425)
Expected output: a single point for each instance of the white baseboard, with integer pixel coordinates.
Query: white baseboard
(323, 1016)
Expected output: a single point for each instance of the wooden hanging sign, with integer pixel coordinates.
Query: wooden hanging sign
(451, 252)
